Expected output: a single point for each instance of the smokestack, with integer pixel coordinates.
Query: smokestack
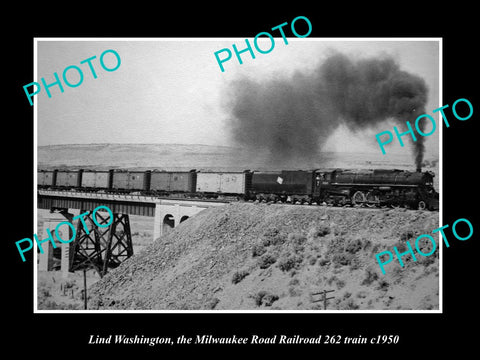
(292, 117)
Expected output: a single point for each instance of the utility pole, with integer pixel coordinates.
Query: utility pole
(85, 287)
(325, 298)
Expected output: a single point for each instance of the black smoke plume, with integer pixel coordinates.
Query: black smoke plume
(292, 117)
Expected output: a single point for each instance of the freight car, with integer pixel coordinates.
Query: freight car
(46, 178)
(223, 184)
(96, 180)
(128, 181)
(176, 183)
(68, 179)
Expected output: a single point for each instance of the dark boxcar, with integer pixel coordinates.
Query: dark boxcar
(68, 178)
(95, 179)
(166, 181)
(283, 182)
(130, 180)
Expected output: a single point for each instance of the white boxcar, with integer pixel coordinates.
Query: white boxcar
(224, 183)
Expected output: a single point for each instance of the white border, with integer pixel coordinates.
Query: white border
(440, 174)
(440, 88)
(35, 184)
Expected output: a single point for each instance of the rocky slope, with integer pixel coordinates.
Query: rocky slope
(260, 256)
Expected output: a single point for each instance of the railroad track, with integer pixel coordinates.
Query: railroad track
(139, 197)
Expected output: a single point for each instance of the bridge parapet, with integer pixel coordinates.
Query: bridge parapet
(138, 198)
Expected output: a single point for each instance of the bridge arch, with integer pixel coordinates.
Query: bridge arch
(168, 223)
(169, 213)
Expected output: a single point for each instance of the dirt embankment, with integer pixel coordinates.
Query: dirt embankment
(259, 256)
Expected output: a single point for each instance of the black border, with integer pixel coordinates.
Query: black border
(68, 333)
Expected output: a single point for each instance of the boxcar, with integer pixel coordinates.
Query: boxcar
(92, 179)
(130, 180)
(45, 178)
(68, 178)
(223, 183)
(180, 181)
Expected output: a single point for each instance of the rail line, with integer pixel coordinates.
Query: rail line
(141, 198)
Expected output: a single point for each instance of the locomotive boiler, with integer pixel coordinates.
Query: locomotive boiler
(380, 187)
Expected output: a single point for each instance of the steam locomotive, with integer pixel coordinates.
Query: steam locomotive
(372, 188)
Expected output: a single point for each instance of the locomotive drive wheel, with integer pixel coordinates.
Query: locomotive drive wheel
(372, 200)
(358, 198)
(421, 205)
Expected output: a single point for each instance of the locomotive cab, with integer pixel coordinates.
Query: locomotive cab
(320, 180)
(323, 190)
(430, 195)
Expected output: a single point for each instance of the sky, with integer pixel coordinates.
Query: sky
(173, 91)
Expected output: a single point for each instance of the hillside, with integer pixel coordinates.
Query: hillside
(259, 256)
(181, 156)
